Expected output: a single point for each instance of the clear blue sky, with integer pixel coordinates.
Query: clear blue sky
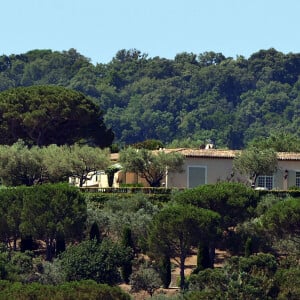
(99, 28)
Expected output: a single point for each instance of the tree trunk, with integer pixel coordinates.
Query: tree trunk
(15, 244)
(81, 182)
(60, 245)
(110, 178)
(182, 278)
(212, 254)
(49, 250)
(203, 257)
(26, 243)
(155, 183)
(164, 267)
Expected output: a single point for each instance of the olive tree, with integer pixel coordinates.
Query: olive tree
(19, 165)
(254, 162)
(22, 165)
(85, 161)
(147, 279)
(152, 166)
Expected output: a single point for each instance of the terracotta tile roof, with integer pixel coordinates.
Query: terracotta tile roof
(217, 153)
(288, 155)
(213, 153)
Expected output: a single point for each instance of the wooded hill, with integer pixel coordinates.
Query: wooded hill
(182, 101)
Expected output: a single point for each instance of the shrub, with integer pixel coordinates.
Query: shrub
(87, 289)
(91, 260)
(146, 279)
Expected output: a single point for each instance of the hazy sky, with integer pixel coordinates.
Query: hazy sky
(99, 28)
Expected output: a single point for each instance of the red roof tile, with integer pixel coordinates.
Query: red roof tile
(217, 153)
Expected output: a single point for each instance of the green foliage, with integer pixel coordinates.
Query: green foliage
(147, 279)
(211, 282)
(45, 212)
(16, 266)
(50, 273)
(44, 115)
(127, 242)
(279, 142)
(4, 260)
(118, 212)
(110, 171)
(253, 162)
(91, 260)
(11, 205)
(100, 198)
(203, 258)
(176, 228)
(282, 219)
(21, 165)
(95, 232)
(265, 203)
(49, 210)
(233, 201)
(85, 161)
(248, 247)
(288, 281)
(163, 266)
(241, 278)
(86, 289)
(20, 266)
(130, 185)
(258, 233)
(191, 98)
(151, 166)
(148, 144)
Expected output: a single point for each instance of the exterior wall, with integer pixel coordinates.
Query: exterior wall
(289, 177)
(220, 169)
(217, 169)
(97, 180)
(217, 166)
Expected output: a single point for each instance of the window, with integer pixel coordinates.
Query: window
(265, 181)
(196, 176)
(298, 178)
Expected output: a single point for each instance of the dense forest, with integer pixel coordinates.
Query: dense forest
(182, 101)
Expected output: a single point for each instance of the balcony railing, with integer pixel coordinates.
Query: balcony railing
(123, 190)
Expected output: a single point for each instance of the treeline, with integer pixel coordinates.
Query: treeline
(23, 165)
(182, 101)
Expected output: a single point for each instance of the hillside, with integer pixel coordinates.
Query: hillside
(182, 102)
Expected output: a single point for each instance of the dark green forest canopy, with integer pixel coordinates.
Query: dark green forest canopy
(43, 115)
(182, 101)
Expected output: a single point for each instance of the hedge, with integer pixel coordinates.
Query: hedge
(75, 290)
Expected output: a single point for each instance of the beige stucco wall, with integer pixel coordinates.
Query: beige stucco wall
(220, 169)
(97, 180)
(131, 178)
(291, 167)
(217, 169)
